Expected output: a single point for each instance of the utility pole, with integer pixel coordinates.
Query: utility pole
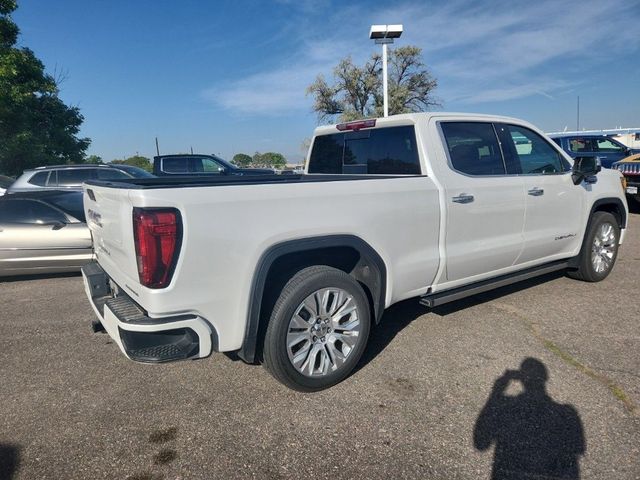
(157, 148)
(578, 116)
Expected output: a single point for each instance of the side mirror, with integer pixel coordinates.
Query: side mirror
(584, 167)
(222, 170)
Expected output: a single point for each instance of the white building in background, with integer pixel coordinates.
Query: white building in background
(628, 136)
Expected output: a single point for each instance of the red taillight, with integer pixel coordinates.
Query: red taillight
(357, 125)
(157, 234)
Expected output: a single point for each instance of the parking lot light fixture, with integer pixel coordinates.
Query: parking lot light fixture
(384, 35)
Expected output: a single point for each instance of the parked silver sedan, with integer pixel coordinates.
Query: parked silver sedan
(43, 232)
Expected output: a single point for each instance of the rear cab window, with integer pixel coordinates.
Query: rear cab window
(381, 151)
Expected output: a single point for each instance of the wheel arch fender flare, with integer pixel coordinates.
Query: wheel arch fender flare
(604, 205)
(608, 204)
(372, 272)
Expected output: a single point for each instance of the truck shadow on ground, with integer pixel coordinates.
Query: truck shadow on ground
(9, 460)
(533, 436)
(400, 315)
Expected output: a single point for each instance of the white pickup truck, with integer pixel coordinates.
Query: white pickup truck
(294, 270)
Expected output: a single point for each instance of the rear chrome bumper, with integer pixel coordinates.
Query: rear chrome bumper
(140, 337)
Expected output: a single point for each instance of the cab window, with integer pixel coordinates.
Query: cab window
(533, 153)
(175, 165)
(473, 148)
(581, 145)
(607, 145)
(208, 165)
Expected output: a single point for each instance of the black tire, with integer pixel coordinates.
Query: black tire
(586, 270)
(298, 288)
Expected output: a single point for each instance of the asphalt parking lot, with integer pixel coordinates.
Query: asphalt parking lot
(428, 401)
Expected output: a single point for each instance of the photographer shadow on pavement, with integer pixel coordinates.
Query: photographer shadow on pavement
(9, 460)
(534, 436)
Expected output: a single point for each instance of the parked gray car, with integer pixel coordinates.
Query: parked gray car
(71, 177)
(43, 232)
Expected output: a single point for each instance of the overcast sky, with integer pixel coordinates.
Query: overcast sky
(227, 77)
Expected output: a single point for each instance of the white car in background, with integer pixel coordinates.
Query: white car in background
(71, 177)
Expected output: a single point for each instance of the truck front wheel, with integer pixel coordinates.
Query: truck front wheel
(599, 249)
(318, 329)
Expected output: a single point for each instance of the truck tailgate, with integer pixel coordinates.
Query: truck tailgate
(109, 217)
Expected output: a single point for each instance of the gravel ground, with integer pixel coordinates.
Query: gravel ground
(429, 399)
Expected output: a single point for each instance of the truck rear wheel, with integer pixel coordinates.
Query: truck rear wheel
(318, 329)
(599, 249)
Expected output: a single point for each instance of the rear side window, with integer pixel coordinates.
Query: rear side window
(75, 177)
(69, 202)
(533, 153)
(176, 165)
(473, 148)
(111, 174)
(39, 179)
(579, 144)
(384, 151)
(28, 211)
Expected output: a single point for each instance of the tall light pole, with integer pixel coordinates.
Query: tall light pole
(384, 35)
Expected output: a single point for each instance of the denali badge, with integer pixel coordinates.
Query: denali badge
(562, 237)
(95, 217)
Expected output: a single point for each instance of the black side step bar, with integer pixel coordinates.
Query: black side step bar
(434, 299)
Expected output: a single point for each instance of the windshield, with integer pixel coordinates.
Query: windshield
(225, 164)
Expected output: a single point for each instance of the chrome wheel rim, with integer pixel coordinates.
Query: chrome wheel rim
(603, 248)
(323, 332)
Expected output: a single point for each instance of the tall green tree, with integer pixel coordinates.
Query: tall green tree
(136, 161)
(242, 160)
(269, 160)
(356, 91)
(93, 159)
(36, 127)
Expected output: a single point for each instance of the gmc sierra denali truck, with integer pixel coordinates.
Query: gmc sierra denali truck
(294, 270)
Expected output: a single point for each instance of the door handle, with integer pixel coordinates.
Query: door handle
(463, 198)
(536, 192)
